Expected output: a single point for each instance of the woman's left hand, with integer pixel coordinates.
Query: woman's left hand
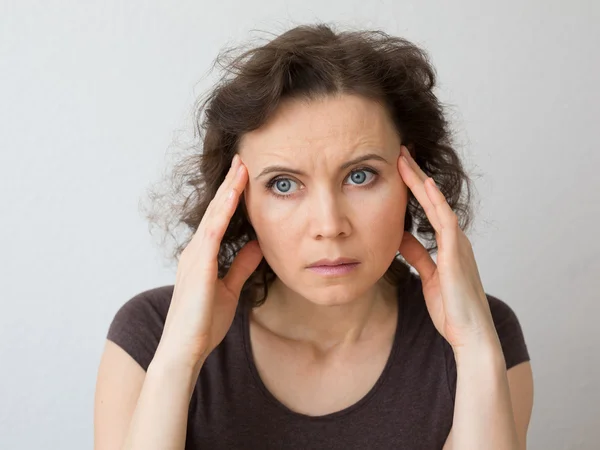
(453, 291)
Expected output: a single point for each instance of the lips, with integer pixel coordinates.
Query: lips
(333, 262)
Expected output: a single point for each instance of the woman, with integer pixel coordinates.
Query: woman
(295, 321)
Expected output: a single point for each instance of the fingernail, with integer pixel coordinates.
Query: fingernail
(239, 171)
(235, 160)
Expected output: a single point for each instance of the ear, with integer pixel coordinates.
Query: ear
(411, 149)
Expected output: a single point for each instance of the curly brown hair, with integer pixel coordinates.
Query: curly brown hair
(308, 62)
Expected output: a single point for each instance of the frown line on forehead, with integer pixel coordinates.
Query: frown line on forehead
(358, 159)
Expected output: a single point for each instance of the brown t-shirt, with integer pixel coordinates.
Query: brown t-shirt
(410, 406)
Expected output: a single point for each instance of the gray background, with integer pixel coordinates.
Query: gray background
(94, 93)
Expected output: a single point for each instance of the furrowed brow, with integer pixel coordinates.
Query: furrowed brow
(359, 159)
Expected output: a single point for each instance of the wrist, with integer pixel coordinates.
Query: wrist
(171, 356)
(485, 351)
(174, 372)
(169, 362)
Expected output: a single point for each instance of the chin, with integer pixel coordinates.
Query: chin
(325, 290)
(332, 300)
(341, 293)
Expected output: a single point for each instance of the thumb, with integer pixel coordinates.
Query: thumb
(246, 262)
(417, 256)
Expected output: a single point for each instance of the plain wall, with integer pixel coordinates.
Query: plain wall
(93, 94)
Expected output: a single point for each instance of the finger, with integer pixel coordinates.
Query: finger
(216, 224)
(244, 264)
(199, 234)
(224, 186)
(447, 217)
(414, 178)
(417, 256)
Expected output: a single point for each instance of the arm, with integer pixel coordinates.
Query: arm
(486, 414)
(141, 410)
(194, 325)
(461, 311)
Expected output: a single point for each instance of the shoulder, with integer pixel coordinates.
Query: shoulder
(502, 313)
(509, 331)
(148, 308)
(506, 322)
(138, 324)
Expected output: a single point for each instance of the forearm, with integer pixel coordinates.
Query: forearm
(483, 415)
(160, 418)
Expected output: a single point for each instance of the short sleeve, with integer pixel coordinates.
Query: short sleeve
(138, 324)
(509, 332)
(510, 335)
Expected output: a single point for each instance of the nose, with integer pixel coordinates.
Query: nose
(328, 217)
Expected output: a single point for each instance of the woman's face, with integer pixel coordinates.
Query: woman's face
(319, 205)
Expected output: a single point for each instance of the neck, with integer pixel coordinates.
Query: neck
(326, 327)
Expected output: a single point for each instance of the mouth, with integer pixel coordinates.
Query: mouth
(333, 262)
(334, 269)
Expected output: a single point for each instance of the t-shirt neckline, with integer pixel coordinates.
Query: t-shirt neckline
(360, 404)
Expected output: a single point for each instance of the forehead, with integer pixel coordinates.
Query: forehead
(342, 123)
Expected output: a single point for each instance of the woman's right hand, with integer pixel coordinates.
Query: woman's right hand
(203, 306)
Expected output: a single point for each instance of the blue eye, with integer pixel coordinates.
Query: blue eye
(358, 176)
(284, 185)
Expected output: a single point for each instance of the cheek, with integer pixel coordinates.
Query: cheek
(274, 223)
(383, 221)
(377, 216)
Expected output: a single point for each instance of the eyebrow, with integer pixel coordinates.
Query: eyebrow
(368, 156)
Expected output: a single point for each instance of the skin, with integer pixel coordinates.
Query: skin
(327, 212)
(492, 406)
(323, 215)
